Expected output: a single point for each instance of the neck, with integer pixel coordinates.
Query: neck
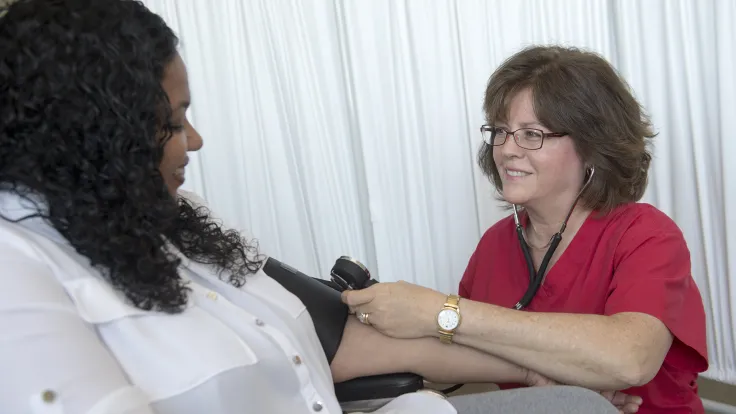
(546, 219)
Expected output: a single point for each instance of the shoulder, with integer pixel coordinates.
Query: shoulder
(27, 242)
(499, 236)
(643, 226)
(193, 198)
(643, 216)
(499, 232)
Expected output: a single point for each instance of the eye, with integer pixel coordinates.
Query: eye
(532, 134)
(176, 126)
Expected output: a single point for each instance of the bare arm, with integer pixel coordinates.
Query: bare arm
(594, 351)
(624, 348)
(365, 351)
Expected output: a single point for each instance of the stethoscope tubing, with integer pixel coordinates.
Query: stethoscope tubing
(537, 276)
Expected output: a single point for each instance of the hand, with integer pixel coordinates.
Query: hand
(399, 310)
(625, 403)
(534, 379)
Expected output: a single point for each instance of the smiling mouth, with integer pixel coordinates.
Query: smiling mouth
(515, 173)
(180, 174)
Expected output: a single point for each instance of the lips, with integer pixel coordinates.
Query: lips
(180, 174)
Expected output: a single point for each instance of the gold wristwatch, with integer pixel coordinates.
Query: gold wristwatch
(448, 319)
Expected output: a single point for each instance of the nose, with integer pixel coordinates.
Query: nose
(194, 140)
(510, 149)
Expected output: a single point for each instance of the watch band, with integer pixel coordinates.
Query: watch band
(453, 301)
(446, 337)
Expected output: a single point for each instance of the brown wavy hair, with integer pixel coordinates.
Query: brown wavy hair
(580, 93)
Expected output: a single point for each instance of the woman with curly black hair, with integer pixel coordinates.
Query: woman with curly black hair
(118, 292)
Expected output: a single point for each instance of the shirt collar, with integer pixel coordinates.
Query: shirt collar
(21, 210)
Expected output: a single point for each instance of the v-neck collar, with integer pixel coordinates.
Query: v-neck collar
(576, 251)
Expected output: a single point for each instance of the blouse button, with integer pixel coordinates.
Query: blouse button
(48, 396)
(212, 295)
(297, 360)
(317, 406)
(259, 322)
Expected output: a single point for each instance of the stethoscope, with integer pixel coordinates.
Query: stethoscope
(536, 277)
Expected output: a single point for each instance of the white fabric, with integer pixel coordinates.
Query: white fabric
(67, 333)
(351, 127)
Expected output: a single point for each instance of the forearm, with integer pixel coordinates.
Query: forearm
(365, 351)
(592, 351)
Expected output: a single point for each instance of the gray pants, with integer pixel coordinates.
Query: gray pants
(546, 400)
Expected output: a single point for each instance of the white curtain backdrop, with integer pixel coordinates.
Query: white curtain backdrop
(351, 127)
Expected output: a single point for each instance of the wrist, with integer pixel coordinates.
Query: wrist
(432, 328)
(449, 318)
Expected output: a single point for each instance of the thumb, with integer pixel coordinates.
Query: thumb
(357, 297)
(619, 398)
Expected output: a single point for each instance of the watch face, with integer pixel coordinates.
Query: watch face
(448, 319)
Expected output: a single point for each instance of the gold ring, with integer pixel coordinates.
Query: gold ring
(363, 318)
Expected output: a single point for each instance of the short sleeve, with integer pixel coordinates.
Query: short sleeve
(653, 276)
(51, 360)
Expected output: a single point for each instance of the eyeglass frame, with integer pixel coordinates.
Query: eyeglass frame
(489, 128)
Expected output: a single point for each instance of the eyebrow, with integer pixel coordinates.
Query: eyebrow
(530, 124)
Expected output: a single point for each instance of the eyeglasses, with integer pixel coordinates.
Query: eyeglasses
(527, 138)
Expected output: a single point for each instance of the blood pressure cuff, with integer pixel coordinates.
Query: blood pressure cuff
(322, 301)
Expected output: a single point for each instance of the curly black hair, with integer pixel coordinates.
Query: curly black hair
(82, 116)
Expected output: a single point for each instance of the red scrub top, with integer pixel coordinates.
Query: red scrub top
(633, 259)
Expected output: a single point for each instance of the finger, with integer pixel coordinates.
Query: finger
(616, 398)
(620, 398)
(630, 408)
(634, 399)
(355, 298)
(608, 395)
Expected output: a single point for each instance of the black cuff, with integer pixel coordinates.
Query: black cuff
(322, 301)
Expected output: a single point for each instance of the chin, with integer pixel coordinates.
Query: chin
(515, 197)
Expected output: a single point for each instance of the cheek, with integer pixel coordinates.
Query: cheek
(175, 150)
(497, 156)
(559, 168)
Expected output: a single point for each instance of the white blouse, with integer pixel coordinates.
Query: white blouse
(70, 343)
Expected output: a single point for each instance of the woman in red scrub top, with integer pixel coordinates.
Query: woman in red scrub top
(582, 283)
